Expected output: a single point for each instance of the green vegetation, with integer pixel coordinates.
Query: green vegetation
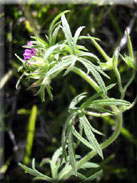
(38, 128)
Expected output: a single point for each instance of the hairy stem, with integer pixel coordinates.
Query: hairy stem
(101, 51)
(87, 78)
(106, 143)
(119, 82)
(129, 82)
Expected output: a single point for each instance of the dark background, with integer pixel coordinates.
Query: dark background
(107, 23)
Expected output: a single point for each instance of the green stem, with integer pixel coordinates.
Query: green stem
(129, 82)
(105, 144)
(90, 81)
(106, 57)
(119, 82)
(87, 78)
(97, 114)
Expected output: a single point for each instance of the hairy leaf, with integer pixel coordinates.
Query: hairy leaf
(34, 172)
(81, 176)
(93, 177)
(54, 162)
(19, 80)
(49, 91)
(49, 51)
(71, 150)
(83, 140)
(40, 41)
(88, 54)
(109, 102)
(68, 122)
(130, 47)
(71, 66)
(77, 33)
(76, 100)
(91, 68)
(129, 61)
(90, 135)
(92, 98)
(54, 35)
(67, 32)
(59, 67)
(22, 61)
(80, 132)
(55, 20)
(89, 165)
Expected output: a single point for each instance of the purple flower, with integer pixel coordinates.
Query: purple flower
(28, 53)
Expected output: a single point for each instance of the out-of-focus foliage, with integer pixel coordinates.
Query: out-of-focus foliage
(106, 22)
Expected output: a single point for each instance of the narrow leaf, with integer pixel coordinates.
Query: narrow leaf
(64, 153)
(71, 66)
(129, 61)
(90, 135)
(91, 68)
(89, 165)
(95, 131)
(101, 71)
(129, 44)
(55, 20)
(91, 127)
(71, 150)
(54, 35)
(49, 51)
(83, 140)
(41, 41)
(56, 155)
(97, 95)
(34, 172)
(88, 54)
(19, 80)
(59, 67)
(49, 92)
(41, 91)
(77, 33)
(100, 109)
(44, 162)
(81, 176)
(81, 47)
(80, 132)
(28, 170)
(42, 178)
(76, 100)
(64, 135)
(54, 169)
(110, 101)
(22, 61)
(67, 32)
(93, 177)
(89, 100)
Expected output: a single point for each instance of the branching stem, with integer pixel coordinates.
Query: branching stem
(106, 143)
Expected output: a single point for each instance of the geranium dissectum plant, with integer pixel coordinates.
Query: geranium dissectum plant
(44, 61)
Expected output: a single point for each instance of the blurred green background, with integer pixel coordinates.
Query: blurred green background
(36, 127)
